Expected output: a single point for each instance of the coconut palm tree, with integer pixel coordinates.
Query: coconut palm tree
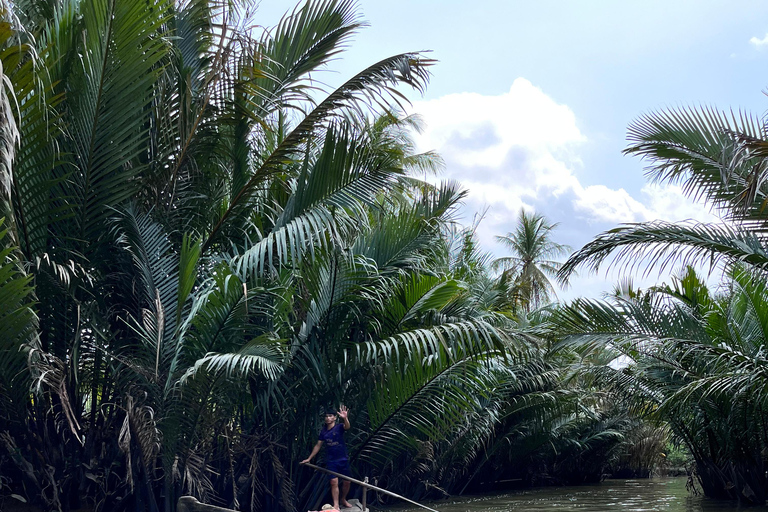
(532, 263)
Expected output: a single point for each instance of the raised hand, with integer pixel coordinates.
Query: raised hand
(343, 411)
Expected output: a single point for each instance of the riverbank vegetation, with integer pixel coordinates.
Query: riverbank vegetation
(698, 356)
(203, 247)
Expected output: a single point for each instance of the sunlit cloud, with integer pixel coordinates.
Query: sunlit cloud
(522, 149)
(471, 128)
(759, 43)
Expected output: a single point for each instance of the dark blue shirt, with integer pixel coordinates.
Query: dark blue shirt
(333, 439)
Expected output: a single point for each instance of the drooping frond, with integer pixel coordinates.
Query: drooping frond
(9, 132)
(261, 356)
(444, 340)
(662, 245)
(416, 297)
(714, 155)
(425, 402)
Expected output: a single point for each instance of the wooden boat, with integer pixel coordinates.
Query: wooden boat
(361, 507)
(356, 507)
(190, 504)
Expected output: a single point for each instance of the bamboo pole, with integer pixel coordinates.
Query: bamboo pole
(365, 484)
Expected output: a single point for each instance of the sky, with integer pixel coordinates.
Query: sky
(530, 100)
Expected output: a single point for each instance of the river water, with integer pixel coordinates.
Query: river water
(665, 494)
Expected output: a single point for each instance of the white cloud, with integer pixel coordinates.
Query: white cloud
(601, 203)
(522, 149)
(505, 148)
(667, 203)
(670, 204)
(471, 128)
(759, 43)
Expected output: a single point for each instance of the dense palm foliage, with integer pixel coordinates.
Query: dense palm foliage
(203, 247)
(695, 363)
(696, 358)
(201, 224)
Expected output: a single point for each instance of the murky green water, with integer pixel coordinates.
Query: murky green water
(666, 494)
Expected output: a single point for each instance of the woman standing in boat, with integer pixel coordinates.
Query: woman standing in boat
(336, 460)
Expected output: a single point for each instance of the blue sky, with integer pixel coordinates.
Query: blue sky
(530, 100)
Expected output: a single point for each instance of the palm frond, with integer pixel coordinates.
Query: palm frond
(662, 245)
(449, 340)
(417, 296)
(261, 356)
(374, 83)
(16, 334)
(715, 155)
(38, 199)
(399, 410)
(109, 95)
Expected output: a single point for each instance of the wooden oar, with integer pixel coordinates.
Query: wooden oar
(361, 483)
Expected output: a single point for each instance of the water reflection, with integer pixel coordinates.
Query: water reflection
(667, 494)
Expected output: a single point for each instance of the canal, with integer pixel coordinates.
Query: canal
(666, 494)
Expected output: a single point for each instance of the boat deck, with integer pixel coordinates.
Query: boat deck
(356, 507)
